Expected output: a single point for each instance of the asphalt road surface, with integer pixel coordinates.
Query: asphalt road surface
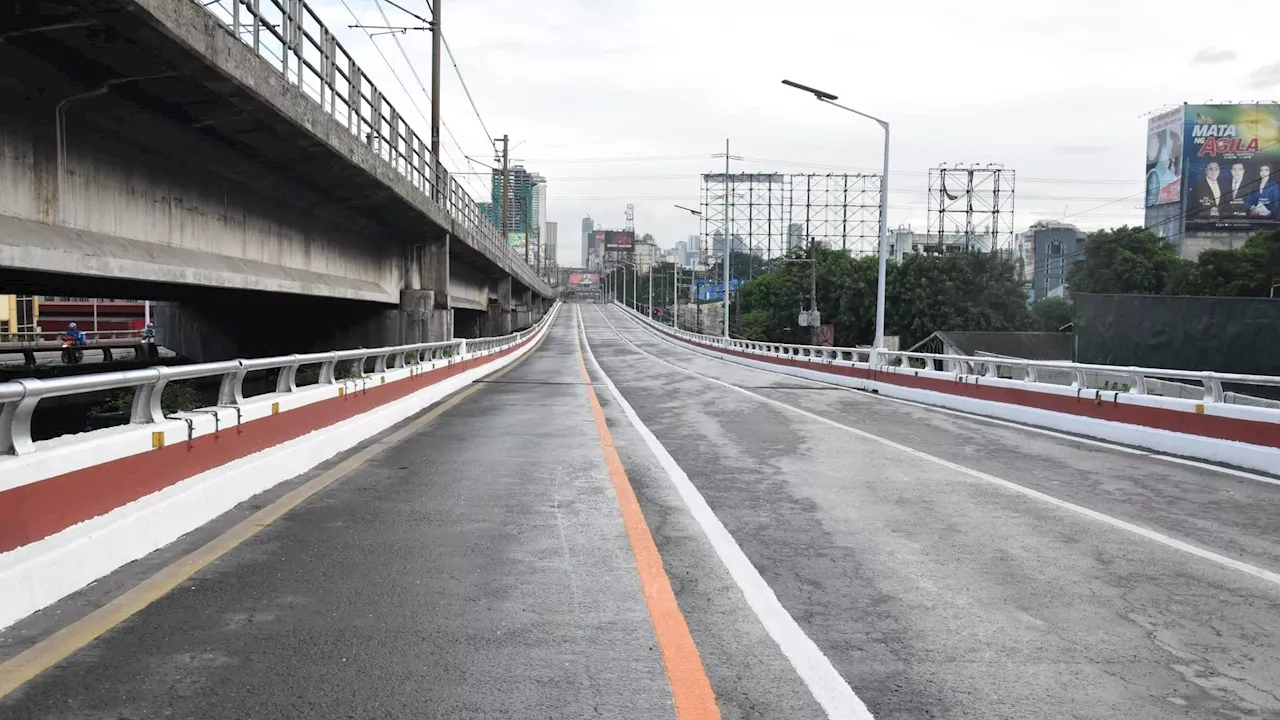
(942, 566)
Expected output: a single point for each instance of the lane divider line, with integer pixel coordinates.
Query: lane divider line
(690, 688)
(1168, 541)
(825, 683)
(68, 640)
(1126, 449)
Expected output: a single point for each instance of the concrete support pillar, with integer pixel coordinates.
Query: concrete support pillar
(425, 313)
(500, 310)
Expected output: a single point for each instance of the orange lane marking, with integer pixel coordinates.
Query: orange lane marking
(690, 687)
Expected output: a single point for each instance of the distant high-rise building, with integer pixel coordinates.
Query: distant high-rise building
(795, 236)
(681, 252)
(695, 249)
(553, 260)
(539, 209)
(588, 227)
(1046, 252)
(717, 244)
(519, 205)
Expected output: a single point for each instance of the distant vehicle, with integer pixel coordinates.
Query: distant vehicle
(71, 353)
(72, 341)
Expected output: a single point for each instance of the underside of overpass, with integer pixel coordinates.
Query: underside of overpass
(131, 165)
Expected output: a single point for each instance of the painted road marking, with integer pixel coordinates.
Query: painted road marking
(1270, 480)
(1147, 533)
(690, 688)
(70, 639)
(825, 683)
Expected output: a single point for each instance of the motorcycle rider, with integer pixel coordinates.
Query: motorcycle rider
(74, 335)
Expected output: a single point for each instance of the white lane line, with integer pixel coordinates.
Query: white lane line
(825, 683)
(1268, 575)
(970, 416)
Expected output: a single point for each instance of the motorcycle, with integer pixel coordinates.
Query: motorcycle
(71, 353)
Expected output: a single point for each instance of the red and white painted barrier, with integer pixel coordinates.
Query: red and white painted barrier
(82, 505)
(1243, 436)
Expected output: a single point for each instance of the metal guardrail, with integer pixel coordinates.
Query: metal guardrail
(962, 366)
(34, 338)
(289, 35)
(19, 398)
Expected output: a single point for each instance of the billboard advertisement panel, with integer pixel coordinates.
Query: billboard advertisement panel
(580, 280)
(1232, 153)
(595, 250)
(1164, 158)
(619, 240)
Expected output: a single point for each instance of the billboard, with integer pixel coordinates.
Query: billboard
(581, 280)
(1232, 153)
(595, 250)
(619, 240)
(516, 240)
(1164, 158)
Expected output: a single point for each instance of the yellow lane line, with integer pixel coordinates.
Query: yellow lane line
(690, 688)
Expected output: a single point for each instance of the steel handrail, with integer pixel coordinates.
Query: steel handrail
(19, 398)
(310, 58)
(983, 366)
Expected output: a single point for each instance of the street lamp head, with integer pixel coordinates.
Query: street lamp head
(689, 210)
(820, 94)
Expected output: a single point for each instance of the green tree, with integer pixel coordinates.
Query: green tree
(962, 291)
(1247, 272)
(1049, 314)
(1124, 261)
(967, 291)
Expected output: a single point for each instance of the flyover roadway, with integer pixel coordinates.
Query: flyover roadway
(825, 550)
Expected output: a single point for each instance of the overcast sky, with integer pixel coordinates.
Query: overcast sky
(1058, 91)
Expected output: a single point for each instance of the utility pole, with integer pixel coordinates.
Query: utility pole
(813, 276)
(435, 99)
(505, 190)
(675, 295)
(650, 311)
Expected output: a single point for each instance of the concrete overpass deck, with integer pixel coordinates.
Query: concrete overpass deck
(827, 554)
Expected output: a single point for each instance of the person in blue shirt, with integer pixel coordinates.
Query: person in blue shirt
(75, 335)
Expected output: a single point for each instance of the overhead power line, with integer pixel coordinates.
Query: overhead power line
(467, 92)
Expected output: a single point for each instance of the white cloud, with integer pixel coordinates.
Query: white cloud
(960, 82)
(1211, 56)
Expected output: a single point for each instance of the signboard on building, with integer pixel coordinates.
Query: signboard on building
(1164, 158)
(711, 291)
(1232, 155)
(619, 240)
(595, 249)
(581, 280)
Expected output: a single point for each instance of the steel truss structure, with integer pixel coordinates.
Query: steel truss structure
(974, 203)
(768, 213)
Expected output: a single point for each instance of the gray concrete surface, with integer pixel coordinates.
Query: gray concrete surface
(940, 595)
(443, 579)
(480, 569)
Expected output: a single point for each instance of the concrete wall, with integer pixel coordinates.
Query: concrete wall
(182, 215)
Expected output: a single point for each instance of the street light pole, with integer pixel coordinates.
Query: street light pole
(727, 251)
(830, 99)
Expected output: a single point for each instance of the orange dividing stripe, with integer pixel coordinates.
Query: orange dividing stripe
(690, 687)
